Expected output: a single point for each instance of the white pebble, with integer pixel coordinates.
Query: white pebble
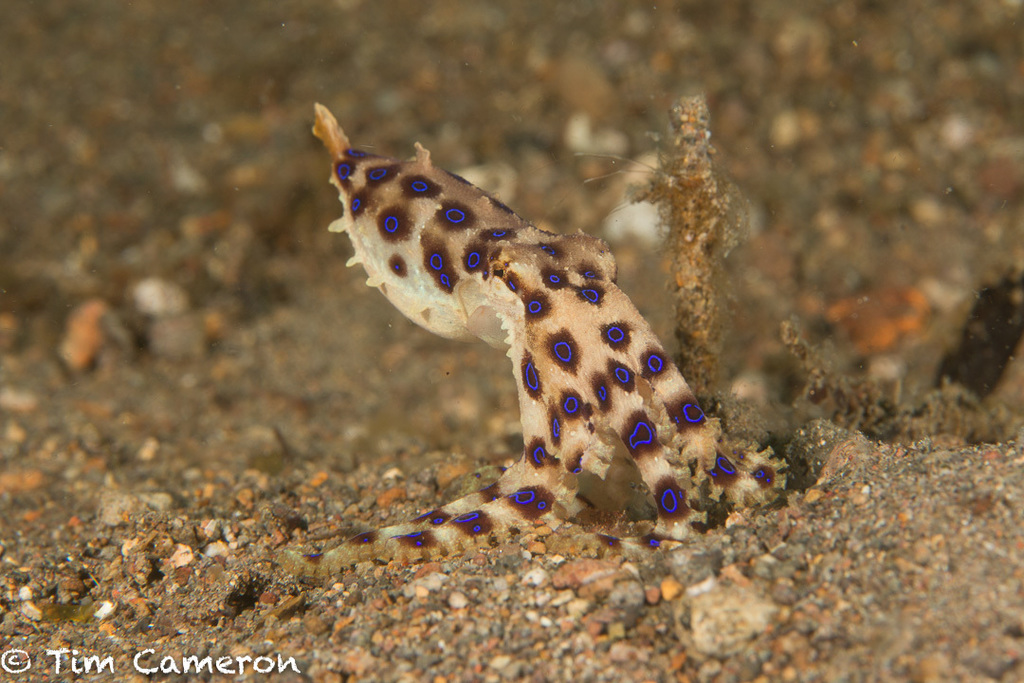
(458, 600)
(581, 137)
(105, 609)
(159, 298)
(217, 549)
(535, 577)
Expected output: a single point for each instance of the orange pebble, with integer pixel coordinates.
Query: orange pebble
(878, 320)
(390, 496)
(84, 336)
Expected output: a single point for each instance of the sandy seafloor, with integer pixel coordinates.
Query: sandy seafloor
(157, 475)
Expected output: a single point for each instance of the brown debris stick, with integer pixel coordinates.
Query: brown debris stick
(706, 218)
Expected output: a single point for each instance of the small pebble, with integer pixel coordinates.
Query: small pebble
(160, 501)
(578, 607)
(18, 400)
(581, 137)
(813, 495)
(315, 625)
(535, 577)
(217, 549)
(31, 612)
(500, 662)
(83, 335)
(458, 600)
(784, 592)
(622, 652)
(670, 588)
(147, 451)
(537, 548)
(159, 298)
(390, 496)
(117, 507)
(766, 567)
(785, 129)
(424, 586)
(628, 599)
(580, 572)
(181, 557)
(726, 618)
(104, 610)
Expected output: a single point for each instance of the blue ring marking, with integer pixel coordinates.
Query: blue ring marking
(556, 429)
(759, 474)
(356, 204)
(477, 528)
(577, 470)
(539, 454)
(541, 505)
(377, 173)
(686, 412)
(358, 154)
(473, 260)
(602, 393)
(523, 497)
(554, 279)
(590, 274)
(615, 334)
(344, 170)
(669, 502)
(655, 364)
(499, 233)
(724, 465)
(535, 307)
(455, 215)
(624, 371)
(548, 250)
(436, 261)
(571, 400)
(419, 186)
(636, 441)
(437, 520)
(446, 281)
(391, 223)
(591, 295)
(654, 543)
(532, 380)
(564, 355)
(468, 517)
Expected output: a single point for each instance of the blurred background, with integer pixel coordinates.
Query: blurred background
(880, 148)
